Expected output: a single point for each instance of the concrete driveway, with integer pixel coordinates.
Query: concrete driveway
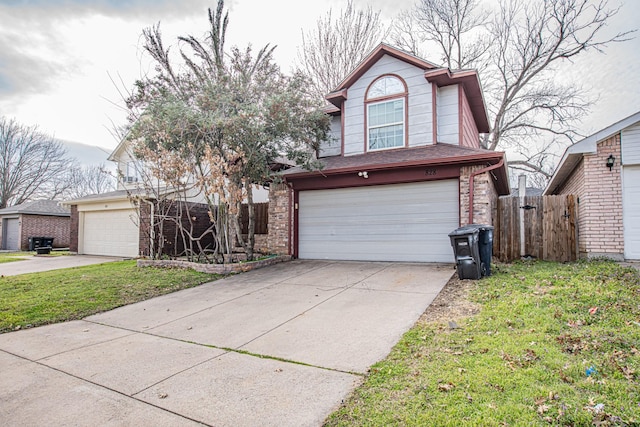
(36, 264)
(279, 346)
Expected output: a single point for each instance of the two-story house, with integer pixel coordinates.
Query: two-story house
(118, 223)
(402, 170)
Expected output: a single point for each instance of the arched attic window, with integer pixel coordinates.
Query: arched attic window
(385, 108)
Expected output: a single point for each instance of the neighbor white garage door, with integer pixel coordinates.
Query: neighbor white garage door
(111, 232)
(631, 211)
(399, 222)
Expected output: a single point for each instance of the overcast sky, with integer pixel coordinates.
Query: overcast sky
(58, 57)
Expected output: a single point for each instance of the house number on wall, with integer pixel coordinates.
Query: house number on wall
(430, 171)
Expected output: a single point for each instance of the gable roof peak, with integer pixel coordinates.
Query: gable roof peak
(373, 57)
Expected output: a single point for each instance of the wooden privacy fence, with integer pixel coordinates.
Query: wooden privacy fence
(549, 228)
(261, 218)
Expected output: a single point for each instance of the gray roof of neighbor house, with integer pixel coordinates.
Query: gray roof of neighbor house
(110, 196)
(575, 152)
(37, 207)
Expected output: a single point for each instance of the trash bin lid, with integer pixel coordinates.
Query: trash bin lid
(466, 230)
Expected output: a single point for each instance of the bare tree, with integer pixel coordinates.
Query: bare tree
(338, 44)
(87, 180)
(455, 27)
(30, 161)
(530, 108)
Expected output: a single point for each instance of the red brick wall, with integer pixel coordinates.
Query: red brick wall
(57, 227)
(279, 219)
(485, 196)
(602, 198)
(73, 232)
(600, 229)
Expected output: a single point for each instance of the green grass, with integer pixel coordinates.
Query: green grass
(19, 256)
(522, 360)
(14, 256)
(60, 295)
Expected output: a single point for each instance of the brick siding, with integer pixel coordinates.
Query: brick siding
(280, 216)
(485, 196)
(73, 231)
(600, 229)
(57, 227)
(602, 197)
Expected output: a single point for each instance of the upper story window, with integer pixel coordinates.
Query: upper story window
(132, 171)
(386, 118)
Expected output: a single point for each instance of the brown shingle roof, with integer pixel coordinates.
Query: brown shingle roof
(437, 154)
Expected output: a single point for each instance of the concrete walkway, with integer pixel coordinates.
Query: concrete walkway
(279, 346)
(36, 264)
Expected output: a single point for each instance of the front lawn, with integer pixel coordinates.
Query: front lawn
(550, 344)
(73, 293)
(14, 256)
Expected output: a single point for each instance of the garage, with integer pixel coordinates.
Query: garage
(631, 211)
(110, 232)
(395, 222)
(11, 234)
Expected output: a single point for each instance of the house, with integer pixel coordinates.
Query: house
(403, 169)
(118, 223)
(603, 171)
(39, 218)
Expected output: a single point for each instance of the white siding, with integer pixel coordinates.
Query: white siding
(332, 147)
(630, 140)
(631, 211)
(399, 222)
(420, 124)
(448, 111)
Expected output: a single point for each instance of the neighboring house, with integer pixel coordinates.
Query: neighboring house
(396, 176)
(117, 223)
(40, 218)
(603, 171)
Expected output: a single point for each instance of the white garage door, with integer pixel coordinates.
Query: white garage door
(11, 234)
(631, 211)
(113, 232)
(399, 222)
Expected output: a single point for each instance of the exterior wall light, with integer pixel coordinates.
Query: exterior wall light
(610, 161)
(364, 174)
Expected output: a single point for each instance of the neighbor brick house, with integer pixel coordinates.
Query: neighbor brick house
(39, 218)
(603, 171)
(403, 168)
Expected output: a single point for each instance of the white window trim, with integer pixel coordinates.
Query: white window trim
(404, 127)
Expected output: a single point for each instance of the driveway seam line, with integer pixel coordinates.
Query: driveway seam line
(107, 388)
(216, 305)
(346, 288)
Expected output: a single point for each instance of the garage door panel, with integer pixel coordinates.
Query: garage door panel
(631, 211)
(400, 222)
(12, 234)
(111, 232)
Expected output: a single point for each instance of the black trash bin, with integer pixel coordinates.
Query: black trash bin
(485, 243)
(35, 242)
(47, 242)
(466, 251)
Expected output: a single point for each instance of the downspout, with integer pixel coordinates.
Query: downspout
(472, 176)
(152, 228)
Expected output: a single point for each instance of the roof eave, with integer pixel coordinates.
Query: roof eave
(470, 80)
